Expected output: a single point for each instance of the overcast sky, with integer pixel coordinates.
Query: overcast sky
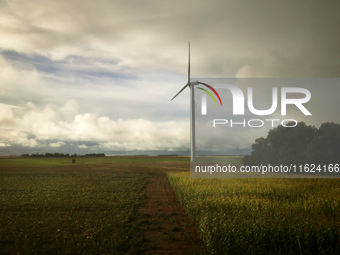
(98, 76)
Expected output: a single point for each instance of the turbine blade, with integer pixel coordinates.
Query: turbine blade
(189, 65)
(180, 91)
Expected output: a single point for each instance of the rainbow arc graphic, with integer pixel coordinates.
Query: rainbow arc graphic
(208, 92)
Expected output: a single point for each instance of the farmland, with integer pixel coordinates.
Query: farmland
(104, 206)
(49, 206)
(263, 216)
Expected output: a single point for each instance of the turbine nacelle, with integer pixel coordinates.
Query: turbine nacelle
(194, 83)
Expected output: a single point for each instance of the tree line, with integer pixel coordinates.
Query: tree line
(297, 145)
(63, 155)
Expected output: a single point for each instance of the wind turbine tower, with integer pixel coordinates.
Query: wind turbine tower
(192, 111)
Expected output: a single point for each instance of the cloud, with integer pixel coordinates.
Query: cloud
(102, 73)
(10, 137)
(4, 144)
(57, 144)
(36, 125)
(244, 72)
(71, 66)
(286, 39)
(83, 146)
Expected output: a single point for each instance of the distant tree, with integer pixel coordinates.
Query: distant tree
(56, 154)
(297, 145)
(260, 152)
(95, 155)
(37, 155)
(246, 160)
(288, 145)
(325, 148)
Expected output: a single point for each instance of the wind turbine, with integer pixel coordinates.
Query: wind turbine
(192, 111)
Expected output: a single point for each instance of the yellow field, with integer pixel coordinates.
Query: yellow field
(263, 216)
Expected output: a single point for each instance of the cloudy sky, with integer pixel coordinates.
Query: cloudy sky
(98, 76)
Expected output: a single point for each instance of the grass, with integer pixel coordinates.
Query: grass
(50, 206)
(263, 216)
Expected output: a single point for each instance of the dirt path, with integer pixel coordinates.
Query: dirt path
(168, 229)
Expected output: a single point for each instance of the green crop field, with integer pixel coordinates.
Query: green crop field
(263, 216)
(50, 206)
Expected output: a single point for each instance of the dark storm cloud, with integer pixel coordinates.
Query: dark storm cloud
(76, 66)
(272, 38)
